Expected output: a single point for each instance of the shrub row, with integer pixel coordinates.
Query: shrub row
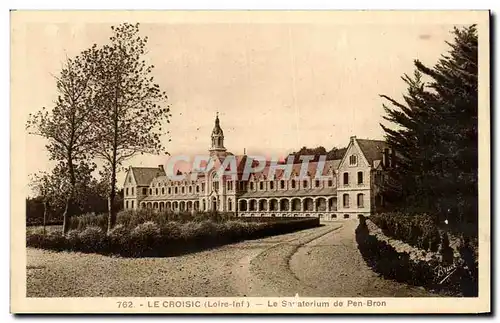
(152, 239)
(385, 260)
(131, 219)
(416, 230)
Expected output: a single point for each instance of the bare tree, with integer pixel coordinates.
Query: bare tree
(132, 108)
(68, 127)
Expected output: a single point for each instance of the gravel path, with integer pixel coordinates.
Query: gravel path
(323, 261)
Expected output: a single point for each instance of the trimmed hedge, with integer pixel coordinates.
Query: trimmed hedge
(163, 238)
(418, 231)
(385, 260)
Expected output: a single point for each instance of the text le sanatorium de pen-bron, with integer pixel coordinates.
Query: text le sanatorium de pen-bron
(282, 304)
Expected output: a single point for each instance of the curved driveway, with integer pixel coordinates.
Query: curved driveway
(323, 261)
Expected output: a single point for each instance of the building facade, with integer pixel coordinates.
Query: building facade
(347, 187)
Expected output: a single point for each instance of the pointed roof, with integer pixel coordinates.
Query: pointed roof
(217, 129)
(372, 149)
(144, 175)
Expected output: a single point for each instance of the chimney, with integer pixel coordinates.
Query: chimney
(385, 157)
(161, 168)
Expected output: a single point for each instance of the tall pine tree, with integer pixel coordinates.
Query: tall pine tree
(435, 134)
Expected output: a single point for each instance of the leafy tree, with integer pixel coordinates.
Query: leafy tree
(435, 133)
(131, 106)
(68, 126)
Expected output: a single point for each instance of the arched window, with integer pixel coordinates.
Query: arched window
(156, 191)
(345, 200)
(150, 191)
(132, 189)
(271, 185)
(360, 177)
(229, 205)
(126, 204)
(261, 186)
(346, 178)
(197, 189)
(361, 198)
(162, 190)
(131, 204)
(126, 191)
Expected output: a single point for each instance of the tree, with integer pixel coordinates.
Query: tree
(68, 126)
(131, 106)
(436, 133)
(45, 186)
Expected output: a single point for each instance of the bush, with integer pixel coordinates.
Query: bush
(92, 239)
(417, 230)
(144, 238)
(385, 260)
(163, 236)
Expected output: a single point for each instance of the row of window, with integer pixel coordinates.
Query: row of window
(294, 184)
(346, 178)
(346, 200)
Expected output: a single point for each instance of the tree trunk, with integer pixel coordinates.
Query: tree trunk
(112, 195)
(69, 200)
(45, 207)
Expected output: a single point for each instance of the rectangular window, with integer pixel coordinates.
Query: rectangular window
(282, 183)
(330, 183)
(251, 185)
(131, 204)
(150, 191)
(126, 204)
(360, 177)
(271, 185)
(126, 191)
(346, 200)
(360, 200)
(317, 183)
(346, 178)
(304, 183)
(132, 189)
(261, 186)
(293, 183)
(169, 190)
(144, 191)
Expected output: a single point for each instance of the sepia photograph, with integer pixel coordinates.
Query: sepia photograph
(250, 161)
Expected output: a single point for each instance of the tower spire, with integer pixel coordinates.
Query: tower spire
(217, 137)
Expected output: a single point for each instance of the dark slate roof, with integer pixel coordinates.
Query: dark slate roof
(327, 191)
(144, 175)
(372, 149)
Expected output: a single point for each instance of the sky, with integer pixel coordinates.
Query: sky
(276, 87)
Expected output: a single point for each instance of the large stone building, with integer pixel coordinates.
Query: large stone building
(347, 187)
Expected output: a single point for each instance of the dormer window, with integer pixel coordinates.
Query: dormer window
(353, 160)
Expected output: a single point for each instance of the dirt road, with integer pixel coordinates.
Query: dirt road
(323, 261)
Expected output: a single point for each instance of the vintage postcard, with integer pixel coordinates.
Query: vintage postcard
(250, 162)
